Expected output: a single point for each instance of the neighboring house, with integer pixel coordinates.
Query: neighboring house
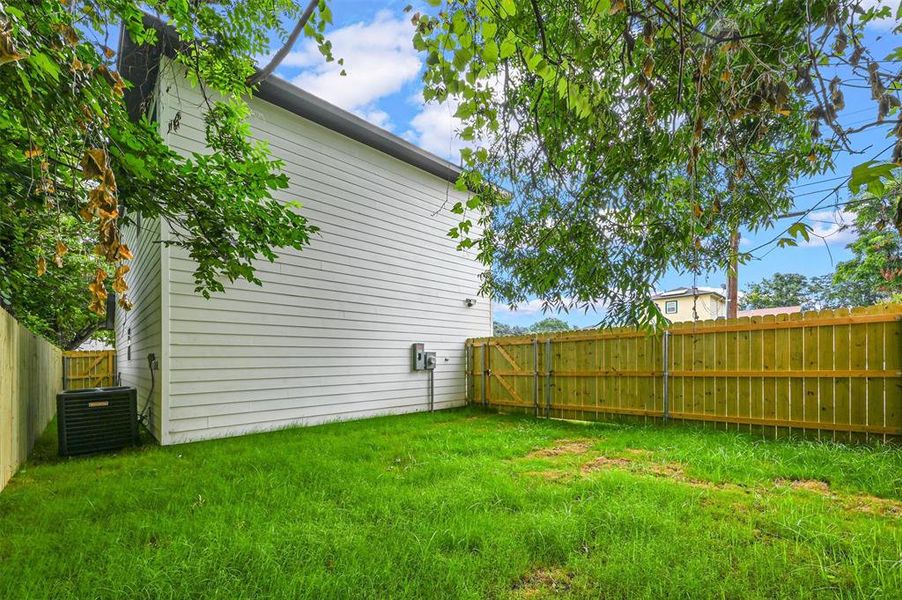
(777, 310)
(692, 304)
(328, 335)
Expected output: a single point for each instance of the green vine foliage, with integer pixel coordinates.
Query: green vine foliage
(75, 169)
(613, 140)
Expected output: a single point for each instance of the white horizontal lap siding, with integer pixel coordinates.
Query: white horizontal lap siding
(138, 331)
(327, 336)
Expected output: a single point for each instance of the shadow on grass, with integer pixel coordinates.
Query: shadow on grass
(46, 447)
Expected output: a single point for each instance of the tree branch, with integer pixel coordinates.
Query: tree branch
(279, 56)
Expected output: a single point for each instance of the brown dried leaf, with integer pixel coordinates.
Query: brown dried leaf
(124, 253)
(125, 303)
(8, 52)
(94, 163)
(42, 266)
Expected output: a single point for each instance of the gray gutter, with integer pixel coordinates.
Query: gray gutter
(140, 65)
(304, 104)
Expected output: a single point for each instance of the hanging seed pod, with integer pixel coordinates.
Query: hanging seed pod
(698, 128)
(704, 65)
(803, 79)
(648, 66)
(836, 95)
(839, 45)
(877, 89)
(856, 55)
(648, 33)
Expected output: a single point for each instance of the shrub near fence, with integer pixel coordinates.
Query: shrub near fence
(31, 374)
(835, 374)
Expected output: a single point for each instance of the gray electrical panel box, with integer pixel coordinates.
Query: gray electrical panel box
(418, 356)
(430, 361)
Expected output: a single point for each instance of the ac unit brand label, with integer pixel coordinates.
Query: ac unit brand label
(98, 404)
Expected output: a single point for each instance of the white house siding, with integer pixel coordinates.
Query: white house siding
(328, 334)
(138, 331)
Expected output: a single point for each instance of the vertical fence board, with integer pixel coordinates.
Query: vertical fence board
(796, 387)
(893, 363)
(876, 401)
(781, 383)
(841, 385)
(858, 394)
(825, 381)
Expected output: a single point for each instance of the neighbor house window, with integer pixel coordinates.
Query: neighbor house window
(670, 307)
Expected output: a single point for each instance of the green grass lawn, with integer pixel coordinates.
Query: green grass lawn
(458, 504)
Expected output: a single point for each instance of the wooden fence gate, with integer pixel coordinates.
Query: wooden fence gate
(830, 373)
(89, 369)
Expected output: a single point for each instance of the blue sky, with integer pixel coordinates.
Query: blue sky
(383, 86)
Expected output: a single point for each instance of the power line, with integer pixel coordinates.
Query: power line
(804, 212)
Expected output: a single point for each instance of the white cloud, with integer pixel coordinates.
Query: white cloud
(376, 116)
(379, 59)
(531, 308)
(435, 129)
(535, 307)
(885, 23)
(834, 227)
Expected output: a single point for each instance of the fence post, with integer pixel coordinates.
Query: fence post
(666, 375)
(535, 374)
(548, 375)
(485, 371)
(467, 348)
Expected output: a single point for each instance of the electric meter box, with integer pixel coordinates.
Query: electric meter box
(430, 361)
(418, 357)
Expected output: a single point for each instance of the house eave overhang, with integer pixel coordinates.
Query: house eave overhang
(139, 64)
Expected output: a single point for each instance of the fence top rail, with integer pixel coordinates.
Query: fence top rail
(86, 353)
(881, 313)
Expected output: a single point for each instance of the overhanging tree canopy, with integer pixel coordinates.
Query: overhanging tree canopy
(75, 166)
(633, 136)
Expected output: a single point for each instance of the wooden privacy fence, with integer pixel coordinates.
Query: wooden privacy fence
(30, 377)
(830, 373)
(89, 369)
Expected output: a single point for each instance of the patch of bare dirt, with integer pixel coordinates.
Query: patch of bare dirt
(606, 462)
(545, 580)
(855, 502)
(562, 447)
(874, 505)
(811, 485)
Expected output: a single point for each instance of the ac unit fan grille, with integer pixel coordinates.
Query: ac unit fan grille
(97, 420)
